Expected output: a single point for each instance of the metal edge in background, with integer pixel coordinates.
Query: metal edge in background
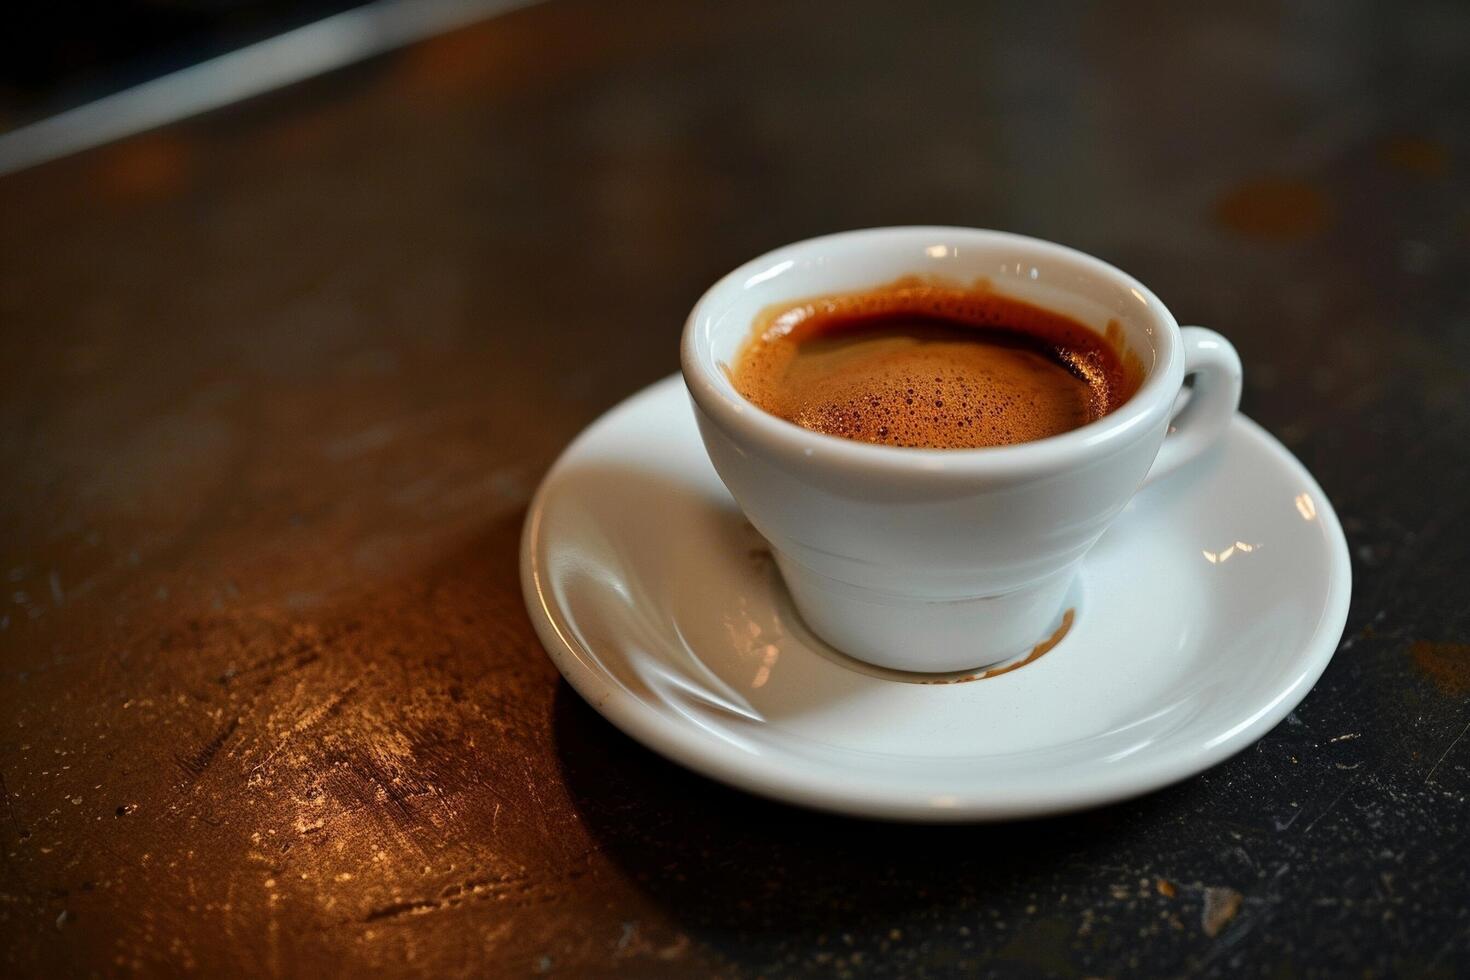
(276, 62)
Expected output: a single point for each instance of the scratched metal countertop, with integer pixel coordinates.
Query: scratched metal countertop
(277, 382)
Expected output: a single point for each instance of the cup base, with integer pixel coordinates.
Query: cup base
(926, 635)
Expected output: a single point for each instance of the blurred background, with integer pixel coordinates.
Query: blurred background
(57, 56)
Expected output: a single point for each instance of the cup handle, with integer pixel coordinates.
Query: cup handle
(1203, 420)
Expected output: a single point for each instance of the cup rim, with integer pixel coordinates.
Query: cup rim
(716, 396)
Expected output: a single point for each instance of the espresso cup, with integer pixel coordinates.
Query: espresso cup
(947, 559)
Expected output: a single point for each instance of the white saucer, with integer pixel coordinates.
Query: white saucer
(1202, 617)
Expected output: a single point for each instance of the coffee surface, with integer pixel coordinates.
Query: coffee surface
(923, 365)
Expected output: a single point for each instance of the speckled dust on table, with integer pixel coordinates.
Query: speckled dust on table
(275, 385)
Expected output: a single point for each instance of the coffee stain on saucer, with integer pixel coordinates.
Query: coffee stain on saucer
(1037, 652)
(762, 557)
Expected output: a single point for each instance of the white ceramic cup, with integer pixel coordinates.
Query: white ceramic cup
(947, 559)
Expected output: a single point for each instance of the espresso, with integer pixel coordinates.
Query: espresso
(924, 365)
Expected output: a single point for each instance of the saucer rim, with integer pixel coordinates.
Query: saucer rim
(708, 755)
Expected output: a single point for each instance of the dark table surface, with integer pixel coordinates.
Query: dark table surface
(277, 383)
